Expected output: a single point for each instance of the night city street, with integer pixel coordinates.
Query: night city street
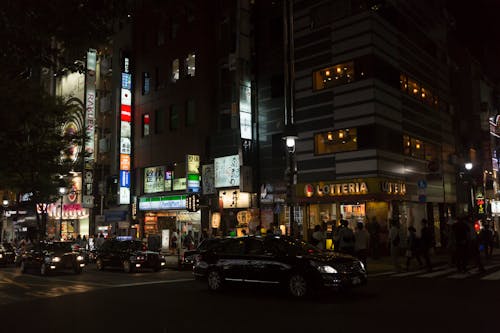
(185, 166)
(171, 301)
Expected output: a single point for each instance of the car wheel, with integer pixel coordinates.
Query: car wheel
(297, 285)
(215, 281)
(99, 264)
(157, 268)
(127, 266)
(22, 267)
(43, 269)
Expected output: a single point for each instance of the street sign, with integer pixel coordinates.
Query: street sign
(193, 202)
(422, 184)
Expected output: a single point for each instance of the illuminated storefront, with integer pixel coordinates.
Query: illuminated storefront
(74, 220)
(355, 200)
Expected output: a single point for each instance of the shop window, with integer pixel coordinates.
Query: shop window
(145, 124)
(333, 76)
(336, 141)
(191, 64)
(173, 118)
(175, 70)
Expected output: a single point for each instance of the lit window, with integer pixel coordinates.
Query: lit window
(145, 83)
(175, 70)
(403, 81)
(145, 124)
(190, 64)
(333, 76)
(336, 141)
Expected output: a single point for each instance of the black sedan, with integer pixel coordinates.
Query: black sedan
(189, 258)
(48, 257)
(130, 255)
(7, 254)
(300, 267)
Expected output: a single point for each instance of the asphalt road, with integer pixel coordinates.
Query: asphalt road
(170, 301)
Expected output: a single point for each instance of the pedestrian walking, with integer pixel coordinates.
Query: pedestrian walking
(318, 237)
(361, 243)
(486, 241)
(473, 250)
(373, 229)
(461, 234)
(425, 244)
(412, 248)
(346, 238)
(394, 244)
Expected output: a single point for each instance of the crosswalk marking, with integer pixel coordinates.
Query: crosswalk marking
(447, 272)
(438, 273)
(492, 276)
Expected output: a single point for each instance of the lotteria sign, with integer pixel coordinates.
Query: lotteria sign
(354, 187)
(351, 188)
(125, 132)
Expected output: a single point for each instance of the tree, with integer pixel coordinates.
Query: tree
(32, 144)
(38, 35)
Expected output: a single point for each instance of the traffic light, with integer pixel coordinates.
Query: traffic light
(193, 202)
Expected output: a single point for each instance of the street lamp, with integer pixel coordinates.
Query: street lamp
(62, 191)
(468, 166)
(290, 135)
(5, 204)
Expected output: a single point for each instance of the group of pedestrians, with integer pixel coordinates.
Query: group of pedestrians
(345, 240)
(467, 245)
(416, 247)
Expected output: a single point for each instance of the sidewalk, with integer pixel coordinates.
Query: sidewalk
(384, 263)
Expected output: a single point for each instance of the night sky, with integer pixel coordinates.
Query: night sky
(478, 27)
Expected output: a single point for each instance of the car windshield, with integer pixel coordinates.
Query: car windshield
(137, 246)
(300, 248)
(59, 246)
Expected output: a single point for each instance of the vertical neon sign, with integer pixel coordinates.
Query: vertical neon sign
(125, 132)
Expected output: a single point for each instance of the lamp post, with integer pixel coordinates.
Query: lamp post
(468, 167)
(290, 135)
(62, 191)
(5, 204)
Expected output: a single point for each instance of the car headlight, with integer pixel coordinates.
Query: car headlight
(324, 268)
(56, 259)
(139, 258)
(362, 265)
(1, 256)
(79, 258)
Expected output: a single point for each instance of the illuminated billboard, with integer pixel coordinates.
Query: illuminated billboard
(227, 171)
(125, 132)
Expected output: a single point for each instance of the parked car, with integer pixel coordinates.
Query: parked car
(189, 257)
(48, 257)
(300, 267)
(7, 254)
(131, 255)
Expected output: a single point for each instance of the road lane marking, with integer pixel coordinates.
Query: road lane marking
(19, 284)
(492, 276)
(150, 282)
(438, 273)
(380, 274)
